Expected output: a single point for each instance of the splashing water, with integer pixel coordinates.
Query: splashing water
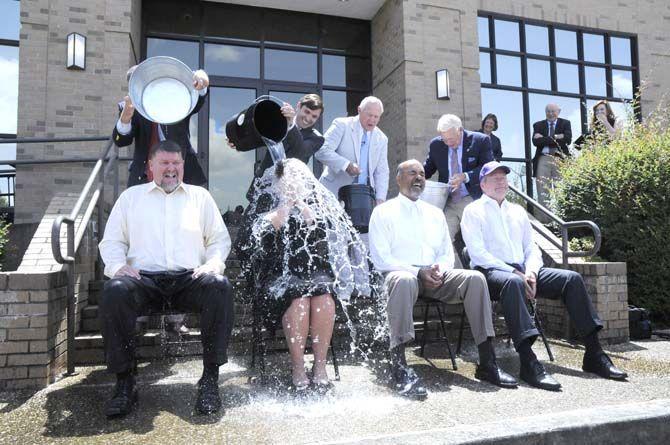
(276, 149)
(319, 249)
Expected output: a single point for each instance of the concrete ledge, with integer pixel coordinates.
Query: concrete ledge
(646, 422)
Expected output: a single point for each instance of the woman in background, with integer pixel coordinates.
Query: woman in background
(489, 125)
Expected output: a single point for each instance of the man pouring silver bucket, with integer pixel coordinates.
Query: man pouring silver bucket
(355, 158)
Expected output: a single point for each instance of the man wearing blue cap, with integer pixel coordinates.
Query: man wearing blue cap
(500, 243)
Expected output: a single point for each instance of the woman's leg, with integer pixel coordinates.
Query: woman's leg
(322, 320)
(296, 328)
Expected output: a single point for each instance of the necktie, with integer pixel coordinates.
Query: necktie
(454, 169)
(551, 129)
(363, 176)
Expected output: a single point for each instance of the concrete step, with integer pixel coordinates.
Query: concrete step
(156, 343)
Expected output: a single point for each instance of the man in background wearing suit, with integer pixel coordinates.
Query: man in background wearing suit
(133, 126)
(457, 155)
(551, 138)
(355, 151)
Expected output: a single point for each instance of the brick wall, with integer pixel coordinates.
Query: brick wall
(606, 283)
(33, 306)
(56, 102)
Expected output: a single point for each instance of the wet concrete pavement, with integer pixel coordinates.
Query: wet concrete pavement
(359, 409)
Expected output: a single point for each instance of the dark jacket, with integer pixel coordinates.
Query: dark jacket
(141, 135)
(562, 127)
(496, 147)
(476, 152)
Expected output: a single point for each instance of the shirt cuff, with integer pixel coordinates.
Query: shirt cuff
(467, 177)
(112, 270)
(122, 128)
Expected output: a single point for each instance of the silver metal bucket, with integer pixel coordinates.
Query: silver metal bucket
(435, 193)
(161, 88)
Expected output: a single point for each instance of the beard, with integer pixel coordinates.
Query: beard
(169, 187)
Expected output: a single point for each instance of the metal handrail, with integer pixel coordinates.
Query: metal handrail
(564, 225)
(109, 156)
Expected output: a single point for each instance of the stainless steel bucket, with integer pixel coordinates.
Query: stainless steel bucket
(435, 193)
(161, 88)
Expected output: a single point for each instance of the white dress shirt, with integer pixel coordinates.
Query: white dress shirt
(149, 229)
(499, 235)
(406, 235)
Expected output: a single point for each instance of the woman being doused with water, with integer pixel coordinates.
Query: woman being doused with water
(303, 254)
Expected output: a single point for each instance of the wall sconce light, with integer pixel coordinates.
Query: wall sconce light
(76, 52)
(442, 82)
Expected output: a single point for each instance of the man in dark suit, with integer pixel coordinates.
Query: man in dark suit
(551, 138)
(457, 155)
(302, 140)
(133, 126)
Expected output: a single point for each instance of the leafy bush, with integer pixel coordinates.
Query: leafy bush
(624, 187)
(4, 236)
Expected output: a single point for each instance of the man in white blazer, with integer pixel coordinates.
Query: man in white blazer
(355, 151)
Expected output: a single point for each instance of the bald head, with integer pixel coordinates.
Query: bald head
(411, 178)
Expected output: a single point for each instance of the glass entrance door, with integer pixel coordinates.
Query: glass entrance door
(230, 171)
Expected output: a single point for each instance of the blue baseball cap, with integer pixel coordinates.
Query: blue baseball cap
(490, 167)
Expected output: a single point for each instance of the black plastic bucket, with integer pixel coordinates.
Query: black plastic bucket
(359, 200)
(262, 119)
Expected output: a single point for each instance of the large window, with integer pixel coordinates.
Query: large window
(249, 52)
(9, 92)
(525, 65)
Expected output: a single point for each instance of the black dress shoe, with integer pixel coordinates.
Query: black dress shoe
(602, 365)
(124, 398)
(407, 384)
(535, 375)
(209, 400)
(493, 374)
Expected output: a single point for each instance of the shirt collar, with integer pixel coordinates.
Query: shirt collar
(153, 186)
(405, 201)
(492, 202)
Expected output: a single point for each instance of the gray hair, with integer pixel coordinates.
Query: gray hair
(370, 100)
(552, 104)
(449, 121)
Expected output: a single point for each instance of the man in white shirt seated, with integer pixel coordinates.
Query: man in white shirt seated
(410, 244)
(164, 247)
(499, 239)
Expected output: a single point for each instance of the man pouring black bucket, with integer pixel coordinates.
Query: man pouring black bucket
(355, 157)
(302, 139)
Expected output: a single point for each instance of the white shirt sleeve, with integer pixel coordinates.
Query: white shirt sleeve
(114, 245)
(531, 253)
(380, 247)
(472, 230)
(445, 257)
(216, 236)
(122, 128)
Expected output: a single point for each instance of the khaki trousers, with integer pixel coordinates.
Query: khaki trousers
(460, 286)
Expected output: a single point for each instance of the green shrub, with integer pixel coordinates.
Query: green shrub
(4, 234)
(624, 187)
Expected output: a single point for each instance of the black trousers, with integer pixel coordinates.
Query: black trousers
(509, 289)
(125, 298)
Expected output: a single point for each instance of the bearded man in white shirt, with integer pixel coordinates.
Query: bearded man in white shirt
(410, 244)
(500, 244)
(164, 247)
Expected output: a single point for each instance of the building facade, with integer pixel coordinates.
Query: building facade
(509, 57)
